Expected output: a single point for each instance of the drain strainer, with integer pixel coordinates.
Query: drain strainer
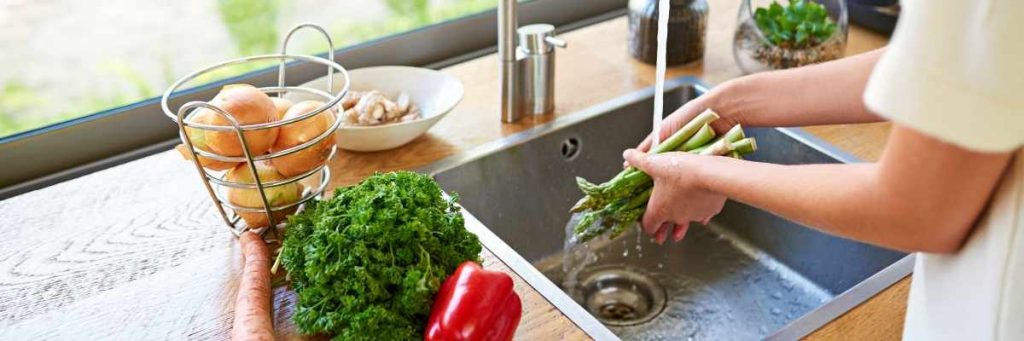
(621, 297)
(570, 148)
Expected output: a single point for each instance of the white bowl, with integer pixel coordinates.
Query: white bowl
(434, 92)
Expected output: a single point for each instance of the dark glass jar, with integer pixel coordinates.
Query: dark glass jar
(686, 22)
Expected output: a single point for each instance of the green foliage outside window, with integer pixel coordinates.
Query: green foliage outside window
(254, 28)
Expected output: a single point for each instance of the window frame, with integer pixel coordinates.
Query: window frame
(41, 157)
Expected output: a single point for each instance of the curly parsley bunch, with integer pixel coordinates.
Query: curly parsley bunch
(367, 262)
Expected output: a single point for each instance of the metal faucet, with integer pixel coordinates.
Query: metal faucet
(527, 71)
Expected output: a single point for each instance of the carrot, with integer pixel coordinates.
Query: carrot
(252, 306)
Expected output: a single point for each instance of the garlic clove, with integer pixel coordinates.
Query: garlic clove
(350, 99)
(403, 102)
(351, 117)
(367, 101)
(377, 111)
(390, 107)
(410, 117)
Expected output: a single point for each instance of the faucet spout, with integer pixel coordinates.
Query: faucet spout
(507, 26)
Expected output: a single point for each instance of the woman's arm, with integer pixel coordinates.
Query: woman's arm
(923, 195)
(827, 93)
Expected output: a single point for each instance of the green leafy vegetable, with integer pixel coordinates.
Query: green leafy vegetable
(367, 262)
(800, 24)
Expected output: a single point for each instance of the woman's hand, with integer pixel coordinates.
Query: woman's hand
(691, 109)
(678, 197)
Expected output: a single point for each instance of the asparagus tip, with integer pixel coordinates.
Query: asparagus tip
(580, 205)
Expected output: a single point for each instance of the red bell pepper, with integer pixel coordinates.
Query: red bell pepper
(473, 305)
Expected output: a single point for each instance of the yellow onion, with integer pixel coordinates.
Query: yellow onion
(301, 132)
(277, 195)
(198, 138)
(247, 105)
(281, 106)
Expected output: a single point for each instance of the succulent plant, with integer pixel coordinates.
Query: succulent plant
(800, 24)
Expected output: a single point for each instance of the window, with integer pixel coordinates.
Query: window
(66, 59)
(80, 80)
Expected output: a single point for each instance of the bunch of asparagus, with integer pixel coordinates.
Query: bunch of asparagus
(614, 205)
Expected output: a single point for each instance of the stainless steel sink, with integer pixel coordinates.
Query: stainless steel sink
(749, 275)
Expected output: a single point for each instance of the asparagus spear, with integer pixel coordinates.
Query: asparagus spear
(613, 206)
(733, 135)
(702, 137)
(745, 146)
(631, 178)
(688, 130)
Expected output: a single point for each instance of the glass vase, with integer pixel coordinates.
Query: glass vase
(755, 53)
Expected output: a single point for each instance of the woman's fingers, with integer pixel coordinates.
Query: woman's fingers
(641, 161)
(676, 200)
(655, 215)
(645, 145)
(662, 233)
(652, 219)
(668, 127)
(634, 157)
(680, 232)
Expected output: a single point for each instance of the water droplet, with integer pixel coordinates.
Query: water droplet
(776, 311)
(777, 295)
(639, 245)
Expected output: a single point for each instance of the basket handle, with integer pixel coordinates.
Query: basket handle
(284, 51)
(183, 113)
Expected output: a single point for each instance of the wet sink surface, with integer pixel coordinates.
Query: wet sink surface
(748, 275)
(716, 287)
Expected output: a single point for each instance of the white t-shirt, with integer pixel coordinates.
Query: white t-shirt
(955, 70)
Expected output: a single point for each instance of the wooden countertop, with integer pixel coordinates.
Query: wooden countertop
(138, 252)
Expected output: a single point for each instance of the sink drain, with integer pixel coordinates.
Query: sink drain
(570, 148)
(620, 297)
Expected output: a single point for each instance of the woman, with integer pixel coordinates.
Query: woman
(950, 183)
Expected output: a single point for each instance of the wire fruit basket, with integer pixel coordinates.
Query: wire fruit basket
(312, 182)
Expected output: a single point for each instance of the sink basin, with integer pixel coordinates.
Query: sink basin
(748, 275)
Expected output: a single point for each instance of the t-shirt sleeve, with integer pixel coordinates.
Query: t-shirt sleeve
(955, 70)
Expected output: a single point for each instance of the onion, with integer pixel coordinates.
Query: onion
(301, 132)
(207, 163)
(281, 105)
(277, 195)
(247, 105)
(198, 138)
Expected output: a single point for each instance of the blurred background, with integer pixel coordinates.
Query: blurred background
(65, 59)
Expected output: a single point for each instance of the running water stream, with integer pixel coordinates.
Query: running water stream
(578, 256)
(659, 76)
(575, 258)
